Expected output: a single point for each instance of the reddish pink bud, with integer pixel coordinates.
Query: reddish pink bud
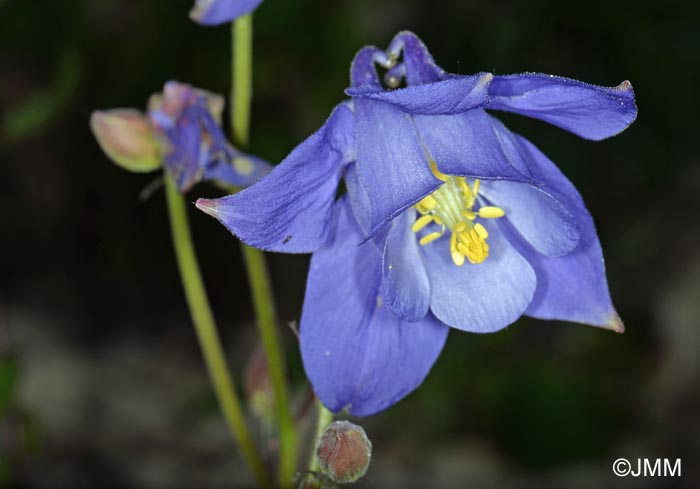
(344, 452)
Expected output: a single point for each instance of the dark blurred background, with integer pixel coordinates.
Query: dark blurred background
(101, 380)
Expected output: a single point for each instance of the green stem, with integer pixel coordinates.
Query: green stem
(323, 419)
(265, 312)
(242, 79)
(242, 52)
(207, 334)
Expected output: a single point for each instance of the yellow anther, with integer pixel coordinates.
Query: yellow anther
(421, 222)
(490, 212)
(481, 230)
(429, 203)
(436, 173)
(452, 207)
(429, 238)
(466, 191)
(458, 258)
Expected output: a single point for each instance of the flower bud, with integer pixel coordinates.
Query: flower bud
(344, 452)
(126, 136)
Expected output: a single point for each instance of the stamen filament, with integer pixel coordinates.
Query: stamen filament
(436, 173)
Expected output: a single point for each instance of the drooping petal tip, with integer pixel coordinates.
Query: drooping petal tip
(625, 85)
(615, 323)
(208, 206)
(589, 111)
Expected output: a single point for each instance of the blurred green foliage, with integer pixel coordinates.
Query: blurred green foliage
(19, 436)
(27, 118)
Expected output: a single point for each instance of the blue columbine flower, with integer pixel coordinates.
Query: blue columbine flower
(450, 219)
(215, 12)
(188, 121)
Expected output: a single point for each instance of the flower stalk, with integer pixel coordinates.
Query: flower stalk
(242, 78)
(258, 277)
(207, 334)
(323, 418)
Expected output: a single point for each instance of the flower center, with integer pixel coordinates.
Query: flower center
(451, 206)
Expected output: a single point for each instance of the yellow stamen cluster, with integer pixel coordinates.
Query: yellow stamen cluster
(451, 207)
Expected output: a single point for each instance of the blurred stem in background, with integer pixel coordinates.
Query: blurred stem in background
(207, 333)
(261, 290)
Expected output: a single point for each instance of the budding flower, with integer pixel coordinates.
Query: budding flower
(344, 452)
(126, 136)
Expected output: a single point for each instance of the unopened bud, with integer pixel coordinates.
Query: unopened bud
(344, 452)
(126, 136)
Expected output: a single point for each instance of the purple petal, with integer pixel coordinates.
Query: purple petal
(420, 66)
(590, 111)
(450, 96)
(363, 72)
(534, 212)
(225, 163)
(479, 298)
(539, 218)
(237, 169)
(183, 156)
(289, 210)
(215, 12)
(360, 203)
(572, 287)
(356, 353)
(467, 144)
(359, 199)
(405, 284)
(391, 165)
